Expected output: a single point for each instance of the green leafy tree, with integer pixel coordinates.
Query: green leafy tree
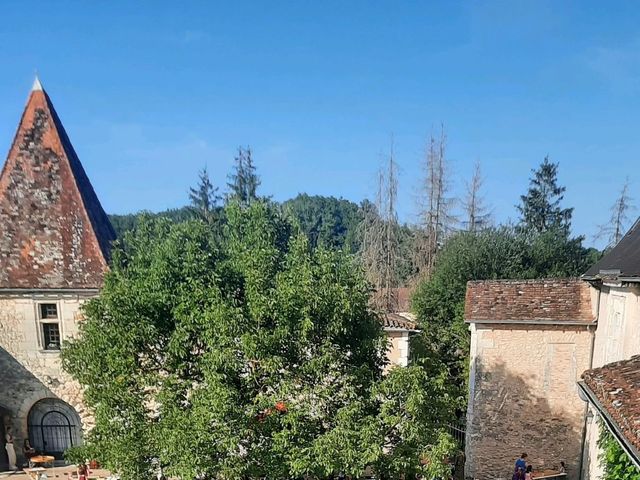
(615, 462)
(540, 208)
(204, 198)
(248, 354)
(243, 181)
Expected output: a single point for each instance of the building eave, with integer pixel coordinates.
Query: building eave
(630, 279)
(589, 396)
(88, 292)
(532, 322)
(396, 329)
(610, 280)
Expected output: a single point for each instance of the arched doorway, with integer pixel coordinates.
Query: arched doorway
(54, 426)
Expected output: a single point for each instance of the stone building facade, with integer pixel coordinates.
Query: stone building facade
(530, 342)
(399, 324)
(552, 363)
(54, 251)
(398, 328)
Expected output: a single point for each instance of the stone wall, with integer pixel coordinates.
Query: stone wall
(30, 373)
(524, 397)
(398, 348)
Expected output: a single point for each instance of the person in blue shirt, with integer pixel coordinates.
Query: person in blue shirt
(521, 466)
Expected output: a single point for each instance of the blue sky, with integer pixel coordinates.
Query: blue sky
(151, 91)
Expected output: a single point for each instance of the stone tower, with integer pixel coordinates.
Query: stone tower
(54, 250)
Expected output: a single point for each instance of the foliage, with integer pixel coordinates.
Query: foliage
(494, 253)
(244, 181)
(127, 222)
(540, 209)
(327, 221)
(204, 198)
(413, 400)
(615, 462)
(247, 354)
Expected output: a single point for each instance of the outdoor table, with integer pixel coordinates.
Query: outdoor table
(41, 460)
(550, 476)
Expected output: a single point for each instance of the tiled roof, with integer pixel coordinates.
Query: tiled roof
(617, 388)
(398, 318)
(403, 321)
(559, 300)
(55, 234)
(623, 260)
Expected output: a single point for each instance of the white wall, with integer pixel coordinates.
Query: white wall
(617, 338)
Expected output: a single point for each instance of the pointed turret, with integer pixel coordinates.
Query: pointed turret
(54, 233)
(37, 86)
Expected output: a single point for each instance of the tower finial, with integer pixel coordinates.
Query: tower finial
(37, 86)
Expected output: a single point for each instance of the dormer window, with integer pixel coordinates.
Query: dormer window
(49, 326)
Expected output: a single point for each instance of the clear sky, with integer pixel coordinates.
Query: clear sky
(152, 91)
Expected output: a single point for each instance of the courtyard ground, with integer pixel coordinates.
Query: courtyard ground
(60, 473)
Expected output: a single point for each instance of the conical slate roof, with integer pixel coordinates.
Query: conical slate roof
(54, 233)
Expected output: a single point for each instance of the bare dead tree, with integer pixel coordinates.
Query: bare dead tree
(436, 218)
(380, 244)
(477, 215)
(616, 227)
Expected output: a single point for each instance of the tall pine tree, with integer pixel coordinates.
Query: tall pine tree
(244, 181)
(204, 197)
(540, 209)
(477, 215)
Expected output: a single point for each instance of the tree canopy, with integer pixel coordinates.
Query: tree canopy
(129, 221)
(247, 354)
(327, 221)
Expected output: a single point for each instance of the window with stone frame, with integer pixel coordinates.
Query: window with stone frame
(49, 326)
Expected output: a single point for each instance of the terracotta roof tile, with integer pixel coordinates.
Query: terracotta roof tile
(617, 388)
(55, 233)
(552, 300)
(399, 321)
